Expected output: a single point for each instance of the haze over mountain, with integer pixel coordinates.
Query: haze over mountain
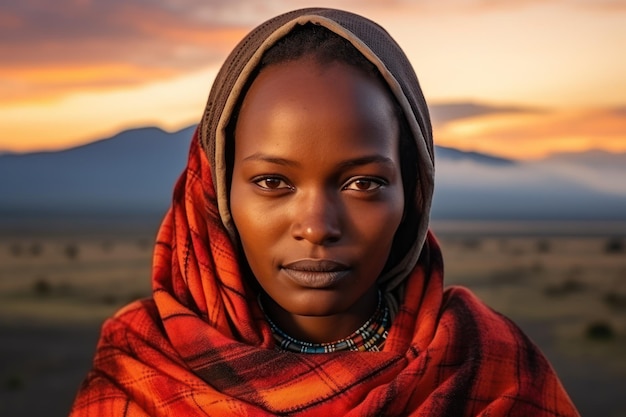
(135, 170)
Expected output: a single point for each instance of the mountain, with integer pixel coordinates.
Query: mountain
(596, 169)
(451, 154)
(594, 158)
(525, 190)
(442, 113)
(135, 171)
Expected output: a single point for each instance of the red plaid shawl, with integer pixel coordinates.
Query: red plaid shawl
(201, 346)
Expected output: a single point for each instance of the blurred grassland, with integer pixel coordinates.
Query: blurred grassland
(72, 279)
(575, 286)
(568, 293)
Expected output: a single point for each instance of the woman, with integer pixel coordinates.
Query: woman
(294, 273)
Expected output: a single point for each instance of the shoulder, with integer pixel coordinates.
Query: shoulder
(503, 362)
(100, 397)
(463, 305)
(486, 333)
(131, 337)
(129, 340)
(137, 319)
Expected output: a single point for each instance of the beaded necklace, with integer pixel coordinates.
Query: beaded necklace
(368, 338)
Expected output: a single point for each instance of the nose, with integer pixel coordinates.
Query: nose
(317, 218)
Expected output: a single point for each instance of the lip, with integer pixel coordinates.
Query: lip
(316, 273)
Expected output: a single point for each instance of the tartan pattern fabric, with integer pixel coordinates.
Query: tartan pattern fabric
(200, 345)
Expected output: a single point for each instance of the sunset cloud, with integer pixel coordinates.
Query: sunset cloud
(536, 134)
(443, 113)
(71, 70)
(141, 32)
(55, 48)
(136, 42)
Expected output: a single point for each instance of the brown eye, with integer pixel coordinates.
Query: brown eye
(364, 184)
(272, 183)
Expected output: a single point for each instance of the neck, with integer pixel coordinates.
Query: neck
(323, 329)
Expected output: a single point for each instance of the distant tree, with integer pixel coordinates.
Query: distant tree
(36, 249)
(71, 251)
(614, 245)
(615, 300)
(42, 287)
(600, 330)
(14, 383)
(543, 246)
(569, 286)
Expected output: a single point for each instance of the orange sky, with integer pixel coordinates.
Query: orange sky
(540, 76)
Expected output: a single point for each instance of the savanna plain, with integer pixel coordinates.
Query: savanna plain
(564, 286)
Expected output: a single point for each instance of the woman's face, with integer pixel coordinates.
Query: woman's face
(316, 192)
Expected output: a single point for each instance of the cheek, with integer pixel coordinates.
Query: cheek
(256, 222)
(377, 226)
(258, 227)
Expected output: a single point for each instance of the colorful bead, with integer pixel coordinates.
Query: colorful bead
(370, 337)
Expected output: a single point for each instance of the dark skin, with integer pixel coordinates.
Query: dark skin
(316, 193)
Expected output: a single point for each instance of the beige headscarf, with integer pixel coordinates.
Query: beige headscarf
(379, 48)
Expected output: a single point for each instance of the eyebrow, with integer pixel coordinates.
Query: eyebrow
(258, 156)
(364, 160)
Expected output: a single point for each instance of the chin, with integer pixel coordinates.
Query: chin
(317, 303)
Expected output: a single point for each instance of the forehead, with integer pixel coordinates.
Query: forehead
(303, 97)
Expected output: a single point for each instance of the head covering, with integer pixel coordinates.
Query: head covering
(379, 48)
(201, 345)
